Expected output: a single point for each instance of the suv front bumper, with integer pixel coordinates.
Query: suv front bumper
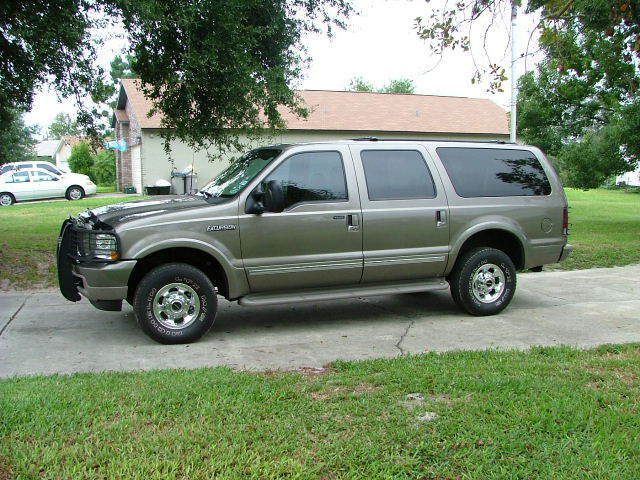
(95, 281)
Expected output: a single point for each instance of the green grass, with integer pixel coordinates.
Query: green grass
(107, 189)
(604, 228)
(605, 231)
(29, 235)
(546, 413)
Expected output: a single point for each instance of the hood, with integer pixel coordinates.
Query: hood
(118, 213)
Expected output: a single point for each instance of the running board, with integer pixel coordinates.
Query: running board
(334, 293)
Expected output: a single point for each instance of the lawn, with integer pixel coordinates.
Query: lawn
(544, 413)
(604, 228)
(28, 241)
(605, 231)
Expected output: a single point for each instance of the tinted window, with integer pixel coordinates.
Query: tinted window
(5, 168)
(48, 167)
(312, 177)
(396, 175)
(494, 172)
(20, 177)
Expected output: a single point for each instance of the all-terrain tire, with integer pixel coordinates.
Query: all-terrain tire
(172, 291)
(483, 281)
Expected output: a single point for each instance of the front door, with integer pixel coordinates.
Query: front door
(405, 213)
(46, 185)
(317, 239)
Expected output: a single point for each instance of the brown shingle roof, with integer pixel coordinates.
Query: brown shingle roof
(370, 112)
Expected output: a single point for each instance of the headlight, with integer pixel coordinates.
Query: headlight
(99, 246)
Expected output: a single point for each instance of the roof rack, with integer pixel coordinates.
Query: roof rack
(376, 139)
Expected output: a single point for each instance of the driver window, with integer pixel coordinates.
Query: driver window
(311, 177)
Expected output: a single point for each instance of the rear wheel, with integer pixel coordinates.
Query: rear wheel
(7, 199)
(75, 192)
(483, 281)
(175, 303)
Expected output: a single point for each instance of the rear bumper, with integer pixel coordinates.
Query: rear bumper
(566, 251)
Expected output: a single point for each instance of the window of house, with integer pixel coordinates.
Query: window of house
(312, 177)
(494, 172)
(397, 175)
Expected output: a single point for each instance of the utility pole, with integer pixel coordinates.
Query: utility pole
(514, 80)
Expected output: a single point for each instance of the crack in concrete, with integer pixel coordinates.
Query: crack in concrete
(15, 314)
(403, 336)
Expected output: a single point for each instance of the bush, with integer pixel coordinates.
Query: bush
(81, 159)
(104, 167)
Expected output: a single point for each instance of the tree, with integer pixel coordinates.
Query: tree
(104, 167)
(81, 159)
(359, 84)
(400, 85)
(16, 139)
(580, 105)
(122, 66)
(63, 125)
(213, 68)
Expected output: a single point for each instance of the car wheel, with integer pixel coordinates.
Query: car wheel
(7, 199)
(483, 281)
(175, 303)
(75, 193)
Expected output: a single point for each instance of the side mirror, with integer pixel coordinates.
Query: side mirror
(254, 205)
(56, 179)
(273, 197)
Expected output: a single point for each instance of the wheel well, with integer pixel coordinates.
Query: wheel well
(191, 256)
(499, 239)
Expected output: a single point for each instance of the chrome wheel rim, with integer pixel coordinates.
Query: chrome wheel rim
(75, 194)
(488, 283)
(176, 306)
(5, 200)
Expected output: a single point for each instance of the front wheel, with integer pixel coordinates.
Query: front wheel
(175, 303)
(75, 193)
(483, 281)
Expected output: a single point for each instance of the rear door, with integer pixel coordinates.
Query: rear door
(405, 213)
(317, 240)
(21, 186)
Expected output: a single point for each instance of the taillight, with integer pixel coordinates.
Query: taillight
(565, 221)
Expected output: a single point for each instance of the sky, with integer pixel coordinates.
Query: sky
(379, 44)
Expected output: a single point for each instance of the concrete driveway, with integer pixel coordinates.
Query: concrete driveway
(43, 333)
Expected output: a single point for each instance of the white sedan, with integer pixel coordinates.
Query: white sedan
(37, 183)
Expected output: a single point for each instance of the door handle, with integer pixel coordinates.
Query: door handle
(353, 222)
(441, 218)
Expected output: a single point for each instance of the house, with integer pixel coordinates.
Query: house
(631, 179)
(46, 149)
(63, 151)
(334, 115)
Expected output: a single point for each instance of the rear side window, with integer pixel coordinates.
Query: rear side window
(49, 168)
(494, 172)
(312, 177)
(396, 175)
(20, 177)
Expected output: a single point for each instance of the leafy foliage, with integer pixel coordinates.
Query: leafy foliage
(359, 84)
(81, 159)
(581, 104)
(212, 67)
(400, 85)
(104, 167)
(63, 125)
(16, 139)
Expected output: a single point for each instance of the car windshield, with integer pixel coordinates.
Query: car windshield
(237, 175)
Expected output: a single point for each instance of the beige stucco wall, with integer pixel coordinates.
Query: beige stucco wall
(156, 164)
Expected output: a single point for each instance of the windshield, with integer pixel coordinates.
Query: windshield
(236, 176)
